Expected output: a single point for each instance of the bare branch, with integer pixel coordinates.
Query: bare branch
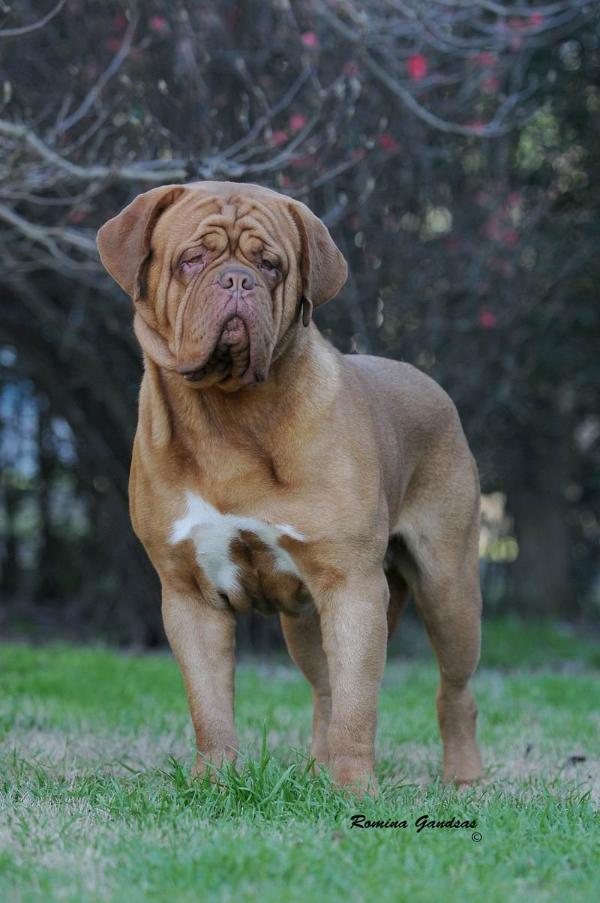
(418, 21)
(90, 98)
(145, 171)
(47, 236)
(27, 29)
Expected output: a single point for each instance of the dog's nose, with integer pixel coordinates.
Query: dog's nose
(237, 279)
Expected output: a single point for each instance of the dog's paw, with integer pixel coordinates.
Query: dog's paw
(354, 775)
(209, 762)
(463, 774)
(320, 753)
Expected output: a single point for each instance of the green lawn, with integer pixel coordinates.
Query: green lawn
(96, 804)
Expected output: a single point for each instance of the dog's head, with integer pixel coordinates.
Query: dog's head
(219, 273)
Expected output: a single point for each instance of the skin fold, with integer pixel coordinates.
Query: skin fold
(272, 472)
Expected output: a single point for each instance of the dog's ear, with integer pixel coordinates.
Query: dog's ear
(322, 265)
(124, 241)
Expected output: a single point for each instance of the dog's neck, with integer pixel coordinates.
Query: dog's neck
(302, 383)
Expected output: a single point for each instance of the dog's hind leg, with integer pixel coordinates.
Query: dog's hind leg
(305, 645)
(450, 608)
(443, 540)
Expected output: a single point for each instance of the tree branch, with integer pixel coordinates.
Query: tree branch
(27, 29)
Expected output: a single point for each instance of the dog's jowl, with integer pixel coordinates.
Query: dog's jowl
(271, 471)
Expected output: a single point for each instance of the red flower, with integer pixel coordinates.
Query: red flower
(417, 67)
(536, 19)
(159, 25)
(297, 122)
(310, 39)
(279, 138)
(487, 320)
(485, 58)
(387, 142)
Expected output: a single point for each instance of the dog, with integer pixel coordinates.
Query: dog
(270, 471)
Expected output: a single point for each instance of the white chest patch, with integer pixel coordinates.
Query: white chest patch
(212, 533)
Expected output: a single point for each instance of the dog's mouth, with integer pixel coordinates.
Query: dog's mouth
(234, 332)
(230, 359)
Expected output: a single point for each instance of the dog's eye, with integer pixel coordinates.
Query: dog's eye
(193, 263)
(268, 266)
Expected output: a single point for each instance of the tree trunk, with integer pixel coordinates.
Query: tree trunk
(541, 585)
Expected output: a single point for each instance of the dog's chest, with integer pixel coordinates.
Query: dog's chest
(244, 558)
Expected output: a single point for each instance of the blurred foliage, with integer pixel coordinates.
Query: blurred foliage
(457, 162)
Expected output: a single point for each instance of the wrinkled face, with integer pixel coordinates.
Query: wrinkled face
(217, 272)
(224, 280)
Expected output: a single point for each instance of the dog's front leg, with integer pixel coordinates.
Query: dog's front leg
(202, 638)
(354, 628)
(305, 645)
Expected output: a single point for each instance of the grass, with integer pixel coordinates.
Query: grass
(96, 802)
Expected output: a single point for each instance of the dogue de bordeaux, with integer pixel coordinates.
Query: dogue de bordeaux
(271, 471)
